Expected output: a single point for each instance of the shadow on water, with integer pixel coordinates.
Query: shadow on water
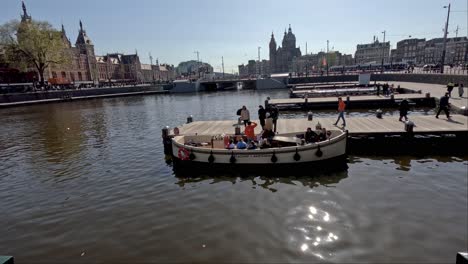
(266, 180)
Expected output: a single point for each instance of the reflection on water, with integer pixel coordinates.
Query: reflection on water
(267, 182)
(91, 177)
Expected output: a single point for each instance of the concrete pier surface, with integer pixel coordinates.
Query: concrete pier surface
(437, 91)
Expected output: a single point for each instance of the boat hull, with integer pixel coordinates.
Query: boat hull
(307, 155)
(187, 168)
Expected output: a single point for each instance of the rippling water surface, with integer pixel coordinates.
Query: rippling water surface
(87, 182)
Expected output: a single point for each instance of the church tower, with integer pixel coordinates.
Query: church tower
(272, 53)
(25, 17)
(86, 47)
(65, 39)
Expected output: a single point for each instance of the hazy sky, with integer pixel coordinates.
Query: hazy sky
(173, 29)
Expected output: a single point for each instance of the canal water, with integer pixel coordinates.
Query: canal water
(87, 182)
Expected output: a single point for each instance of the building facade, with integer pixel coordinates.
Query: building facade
(372, 52)
(408, 50)
(86, 67)
(456, 51)
(281, 58)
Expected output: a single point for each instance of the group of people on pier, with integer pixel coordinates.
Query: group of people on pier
(268, 117)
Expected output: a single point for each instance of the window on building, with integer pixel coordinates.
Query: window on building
(64, 75)
(80, 76)
(54, 74)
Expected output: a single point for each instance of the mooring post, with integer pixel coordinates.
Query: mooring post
(167, 142)
(409, 128)
(310, 116)
(378, 113)
(189, 119)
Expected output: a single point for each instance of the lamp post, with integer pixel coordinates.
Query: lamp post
(222, 63)
(383, 52)
(198, 62)
(259, 63)
(445, 40)
(327, 56)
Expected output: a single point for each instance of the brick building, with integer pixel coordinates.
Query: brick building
(85, 67)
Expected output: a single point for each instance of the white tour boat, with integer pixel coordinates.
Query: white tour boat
(286, 149)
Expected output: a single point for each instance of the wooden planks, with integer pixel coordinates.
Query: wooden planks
(355, 125)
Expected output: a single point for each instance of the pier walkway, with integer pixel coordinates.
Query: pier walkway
(372, 125)
(354, 101)
(437, 91)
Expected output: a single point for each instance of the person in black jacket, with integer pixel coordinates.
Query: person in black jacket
(274, 112)
(261, 115)
(404, 107)
(444, 105)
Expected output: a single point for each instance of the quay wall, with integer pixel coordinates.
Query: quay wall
(387, 77)
(44, 95)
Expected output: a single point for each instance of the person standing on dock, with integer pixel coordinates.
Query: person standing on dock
(274, 112)
(444, 105)
(450, 86)
(245, 115)
(261, 115)
(404, 107)
(341, 109)
(268, 122)
(460, 90)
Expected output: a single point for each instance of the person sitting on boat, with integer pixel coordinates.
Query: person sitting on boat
(310, 136)
(252, 145)
(231, 145)
(241, 144)
(250, 130)
(268, 134)
(323, 135)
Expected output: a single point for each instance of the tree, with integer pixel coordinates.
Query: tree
(33, 44)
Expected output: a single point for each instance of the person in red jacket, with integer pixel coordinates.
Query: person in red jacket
(250, 130)
(341, 109)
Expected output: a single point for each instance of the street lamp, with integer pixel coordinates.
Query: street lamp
(445, 40)
(383, 51)
(198, 62)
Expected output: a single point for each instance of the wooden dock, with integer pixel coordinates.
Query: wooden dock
(351, 101)
(355, 125)
(366, 135)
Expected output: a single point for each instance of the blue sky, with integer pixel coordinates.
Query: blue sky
(173, 29)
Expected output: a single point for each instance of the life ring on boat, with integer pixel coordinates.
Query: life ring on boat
(183, 154)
